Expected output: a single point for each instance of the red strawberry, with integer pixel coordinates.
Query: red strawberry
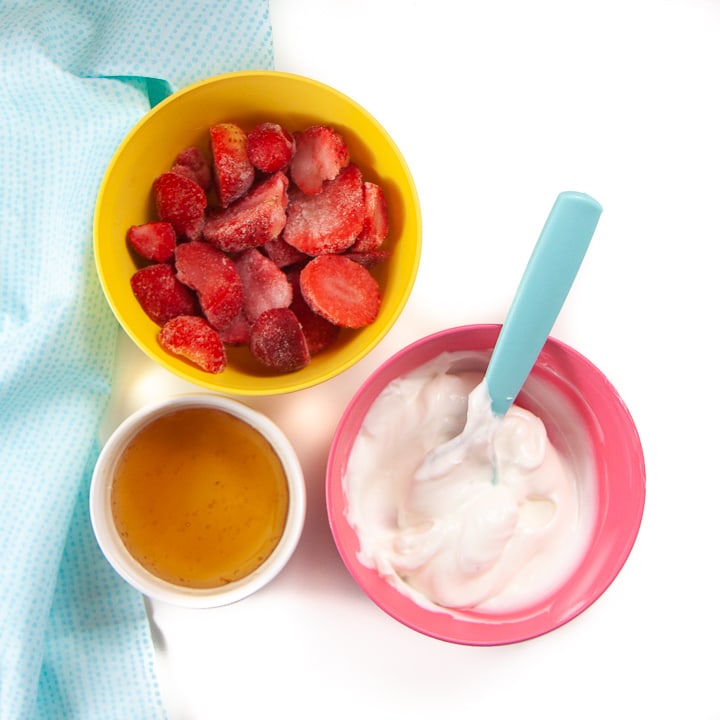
(209, 271)
(277, 340)
(181, 202)
(153, 240)
(375, 223)
(264, 284)
(161, 295)
(252, 220)
(234, 173)
(327, 222)
(340, 290)
(192, 164)
(237, 332)
(270, 147)
(282, 253)
(319, 333)
(193, 338)
(369, 258)
(320, 154)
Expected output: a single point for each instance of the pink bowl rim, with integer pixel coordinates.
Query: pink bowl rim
(621, 498)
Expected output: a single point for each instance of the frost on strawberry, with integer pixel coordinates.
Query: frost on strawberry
(265, 285)
(320, 154)
(234, 173)
(180, 202)
(192, 164)
(252, 220)
(282, 253)
(330, 221)
(375, 221)
(161, 295)
(340, 290)
(319, 333)
(237, 332)
(270, 147)
(192, 338)
(277, 341)
(154, 241)
(212, 274)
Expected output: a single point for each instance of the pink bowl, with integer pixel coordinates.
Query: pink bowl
(562, 385)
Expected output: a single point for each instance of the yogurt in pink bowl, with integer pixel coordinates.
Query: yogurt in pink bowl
(476, 558)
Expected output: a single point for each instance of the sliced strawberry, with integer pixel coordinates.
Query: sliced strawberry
(181, 202)
(277, 340)
(320, 154)
(234, 173)
(153, 240)
(327, 222)
(191, 337)
(237, 332)
(375, 223)
(264, 284)
(192, 164)
(282, 253)
(270, 147)
(212, 274)
(161, 295)
(319, 333)
(253, 220)
(369, 258)
(340, 290)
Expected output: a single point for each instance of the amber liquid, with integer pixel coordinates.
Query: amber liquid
(200, 498)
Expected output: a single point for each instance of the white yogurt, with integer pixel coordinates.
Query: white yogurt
(501, 530)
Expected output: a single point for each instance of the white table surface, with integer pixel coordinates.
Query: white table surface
(497, 107)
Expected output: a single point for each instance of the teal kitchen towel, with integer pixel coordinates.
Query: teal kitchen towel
(75, 76)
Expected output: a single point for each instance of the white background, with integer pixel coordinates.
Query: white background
(497, 107)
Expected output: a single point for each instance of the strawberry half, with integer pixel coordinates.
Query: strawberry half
(161, 295)
(277, 340)
(234, 173)
(319, 333)
(375, 222)
(192, 164)
(181, 202)
(252, 220)
(320, 154)
(194, 339)
(264, 284)
(340, 290)
(270, 147)
(153, 241)
(330, 221)
(212, 274)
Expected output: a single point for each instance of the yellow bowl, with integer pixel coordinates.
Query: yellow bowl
(183, 119)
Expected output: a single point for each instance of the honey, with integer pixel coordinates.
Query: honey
(199, 498)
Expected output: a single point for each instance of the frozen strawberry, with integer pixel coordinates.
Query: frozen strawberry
(191, 337)
(212, 274)
(237, 332)
(252, 220)
(340, 290)
(234, 173)
(153, 240)
(319, 333)
(375, 223)
(330, 221)
(192, 164)
(282, 253)
(161, 295)
(270, 147)
(181, 202)
(264, 284)
(277, 340)
(368, 258)
(320, 154)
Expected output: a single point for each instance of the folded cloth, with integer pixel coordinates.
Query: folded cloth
(75, 76)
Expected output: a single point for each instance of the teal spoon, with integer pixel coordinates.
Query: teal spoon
(547, 280)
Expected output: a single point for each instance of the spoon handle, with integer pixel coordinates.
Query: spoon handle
(545, 284)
